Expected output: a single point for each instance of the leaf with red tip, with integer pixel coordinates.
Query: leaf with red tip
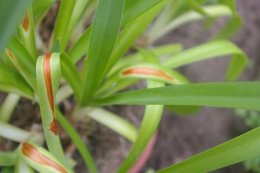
(145, 71)
(27, 33)
(40, 159)
(48, 77)
(48, 85)
(152, 71)
(26, 22)
(20, 57)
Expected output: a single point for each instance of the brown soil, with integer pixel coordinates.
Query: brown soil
(178, 137)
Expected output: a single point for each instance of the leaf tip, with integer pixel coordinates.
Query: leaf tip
(26, 23)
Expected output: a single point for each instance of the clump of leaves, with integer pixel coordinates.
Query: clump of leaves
(108, 69)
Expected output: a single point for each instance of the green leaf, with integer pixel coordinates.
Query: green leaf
(13, 133)
(150, 122)
(197, 7)
(150, 71)
(232, 5)
(131, 32)
(78, 10)
(80, 47)
(22, 60)
(7, 107)
(48, 79)
(228, 95)
(236, 150)
(40, 159)
(7, 158)
(162, 52)
(145, 65)
(161, 28)
(218, 48)
(103, 36)
(134, 8)
(63, 21)
(183, 110)
(27, 34)
(40, 7)
(11, 81)
(110, 120)
(11, 12)
(76, 138)
(71, 74)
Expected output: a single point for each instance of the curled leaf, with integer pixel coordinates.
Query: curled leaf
(48, 85)
(48, 75)
(40, 159)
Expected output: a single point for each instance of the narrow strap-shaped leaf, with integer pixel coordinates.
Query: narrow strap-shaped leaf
(40, 159)
(11, 12)
(40, 8)
(212, 11)
(27, 33)
(172, 9)
(62, 22)
(147, 67)
(143, 70)
(140, 71)
(80, 47)
(8, 106)
(10, 81)
(104, 33)
(7, 158)
(107, 89)
(134, 8)
(77, 12)
(229, 95)
(71, 74)
(236, 150)
(22, 60)
(48, 77)
(76, 138)
(210, 50)
(13, 133)
(231, 4)
(151, 120)
(131, 32)
(50, 72)
(152, 71)
(162, 51)
(197, 7)
(110, 120)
